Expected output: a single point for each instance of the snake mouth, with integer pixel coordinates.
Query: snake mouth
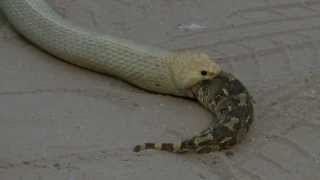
(192, 92)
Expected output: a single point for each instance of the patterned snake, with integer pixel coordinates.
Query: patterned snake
(185, 74)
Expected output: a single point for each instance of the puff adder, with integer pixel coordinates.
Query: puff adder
(232, 109)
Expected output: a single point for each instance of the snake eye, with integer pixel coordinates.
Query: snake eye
(203, 73)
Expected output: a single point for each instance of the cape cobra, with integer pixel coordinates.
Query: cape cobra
(152, 69)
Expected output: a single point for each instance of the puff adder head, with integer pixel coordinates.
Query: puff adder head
(188, 69)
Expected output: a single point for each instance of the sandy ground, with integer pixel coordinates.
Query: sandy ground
(62, 122)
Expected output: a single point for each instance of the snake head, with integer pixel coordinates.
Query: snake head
(189, 69)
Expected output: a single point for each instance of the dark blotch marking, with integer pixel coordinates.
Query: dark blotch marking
(167, 147)
(150, 145)
(188, 144)
(137, 148)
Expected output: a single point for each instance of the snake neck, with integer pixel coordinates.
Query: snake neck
(142, 66)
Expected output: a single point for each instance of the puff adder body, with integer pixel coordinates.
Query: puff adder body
(232, 109)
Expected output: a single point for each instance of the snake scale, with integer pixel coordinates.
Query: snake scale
(185, 74)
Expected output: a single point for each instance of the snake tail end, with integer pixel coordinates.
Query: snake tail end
(168, 147)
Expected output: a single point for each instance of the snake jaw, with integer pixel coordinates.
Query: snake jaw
(192, 91)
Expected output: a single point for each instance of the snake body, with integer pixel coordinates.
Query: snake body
(185, 74)
(149, 68)
(232, 109)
